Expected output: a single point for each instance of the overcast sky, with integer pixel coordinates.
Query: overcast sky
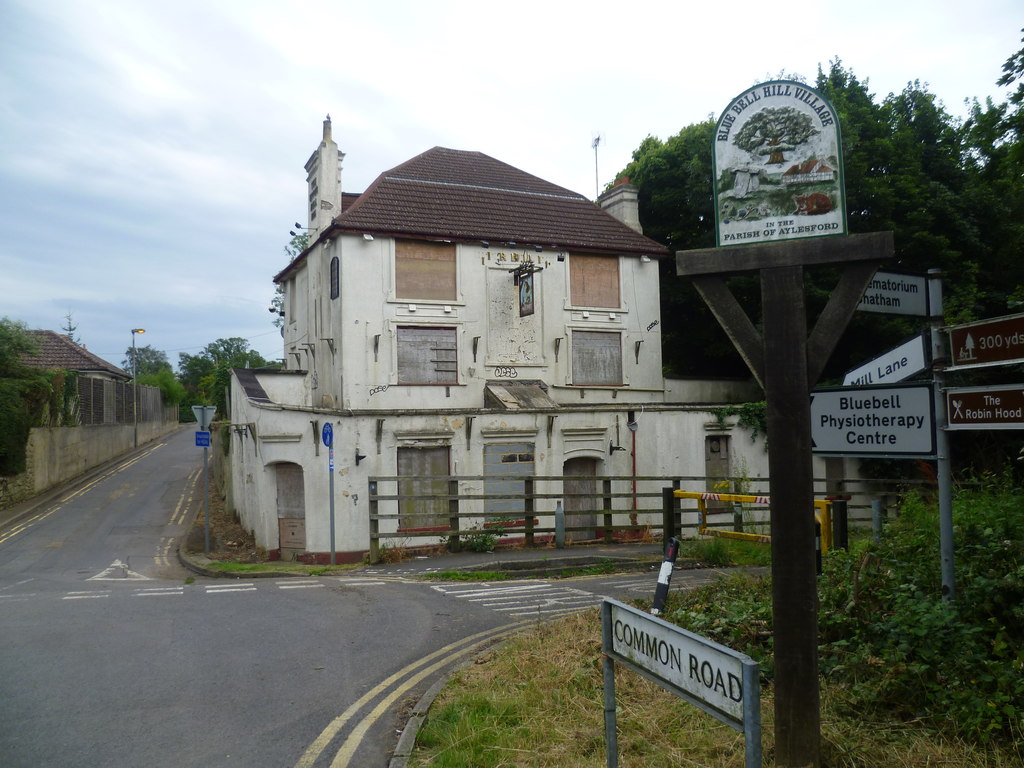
(151, 153)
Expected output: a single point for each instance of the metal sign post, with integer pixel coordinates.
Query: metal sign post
(327, 435)
(204, 416)
(943, 465)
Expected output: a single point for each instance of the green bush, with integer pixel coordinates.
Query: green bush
(889, 644)
(890, 637)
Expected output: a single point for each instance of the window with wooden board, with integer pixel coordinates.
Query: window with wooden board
(596, 358)
(424, 473)
(424, 271)
(427, 355)
(594, 281)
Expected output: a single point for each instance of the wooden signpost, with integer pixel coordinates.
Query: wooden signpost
(785, 359)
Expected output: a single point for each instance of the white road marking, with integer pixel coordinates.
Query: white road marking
(118, 571)
(529, 599)
(297, 584)
(218, 589)
(159, 591)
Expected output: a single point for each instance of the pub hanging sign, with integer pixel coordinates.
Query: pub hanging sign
(778, 166)
(522, 278)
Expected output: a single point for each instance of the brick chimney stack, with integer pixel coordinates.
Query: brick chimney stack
(622, 202)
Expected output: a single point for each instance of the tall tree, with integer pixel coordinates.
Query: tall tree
(950, 192)
(15, 343)
(206, 375)
(674, 178)
(145, 361)
(70, 327)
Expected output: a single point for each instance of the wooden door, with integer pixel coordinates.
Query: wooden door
(291, 510)
(581, 499)
(427, 470)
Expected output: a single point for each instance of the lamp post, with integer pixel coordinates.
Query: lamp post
(135, 385)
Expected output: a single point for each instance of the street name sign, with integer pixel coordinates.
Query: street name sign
(997, 341)
(894, 366)
(897, 421)
(722, 682)
(896, 294)
(996, 407)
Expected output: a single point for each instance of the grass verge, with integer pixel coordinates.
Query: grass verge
(278, 567)
(536, 702)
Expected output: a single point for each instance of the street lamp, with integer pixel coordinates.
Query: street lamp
(135, 382)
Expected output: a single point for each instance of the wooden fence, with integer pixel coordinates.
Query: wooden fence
(453, 508)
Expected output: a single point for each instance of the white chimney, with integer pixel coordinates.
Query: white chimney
(323, 175)
(622, 202)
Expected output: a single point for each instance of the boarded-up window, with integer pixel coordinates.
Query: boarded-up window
(424, 271)
(594, 281)
(596, 358)
(427, 356)
(503, 465)
(335, 278)
(424, 472)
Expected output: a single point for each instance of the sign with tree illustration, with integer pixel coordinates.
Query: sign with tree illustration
(778, 166)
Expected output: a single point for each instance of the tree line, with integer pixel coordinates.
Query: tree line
(950, 189)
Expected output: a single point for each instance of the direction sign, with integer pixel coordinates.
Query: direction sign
(895, 365)
(896, 294)
(998, 407)
(897, 421)
(997, 341)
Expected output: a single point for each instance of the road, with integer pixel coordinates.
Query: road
(114, 654)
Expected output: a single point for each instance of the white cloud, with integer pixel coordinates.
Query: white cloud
(151, 154)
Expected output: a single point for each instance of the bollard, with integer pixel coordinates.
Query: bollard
(737, 517)
(665, 576)
(559, 526)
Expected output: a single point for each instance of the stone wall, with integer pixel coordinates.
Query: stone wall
(55, 455)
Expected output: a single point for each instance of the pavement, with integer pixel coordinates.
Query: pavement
(526, 563)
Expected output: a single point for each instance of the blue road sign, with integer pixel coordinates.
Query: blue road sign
(327, 434)
(202, 439)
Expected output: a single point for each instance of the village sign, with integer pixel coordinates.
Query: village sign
(778, 171)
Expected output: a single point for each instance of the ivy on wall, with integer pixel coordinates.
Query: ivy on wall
(751, 416)
(36, 399)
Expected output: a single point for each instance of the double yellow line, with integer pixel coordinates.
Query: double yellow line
(179, 516)
(24, 525)
(414, 674)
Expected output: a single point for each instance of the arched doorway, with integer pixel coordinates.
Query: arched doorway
(291, 510)
(581, 499)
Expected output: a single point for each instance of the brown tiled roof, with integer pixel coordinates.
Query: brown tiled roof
(457, 195)
(58, 351)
